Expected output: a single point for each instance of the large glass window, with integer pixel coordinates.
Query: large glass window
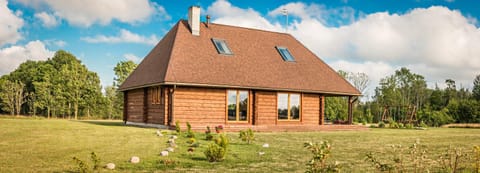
(288, 106)
(222, 47)
(237, 105)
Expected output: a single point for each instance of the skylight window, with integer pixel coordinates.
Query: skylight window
(222, 47)
(286, 55)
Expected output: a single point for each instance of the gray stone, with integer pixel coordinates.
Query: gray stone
(164, 153)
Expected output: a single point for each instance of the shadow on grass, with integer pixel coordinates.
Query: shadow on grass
(103, 122)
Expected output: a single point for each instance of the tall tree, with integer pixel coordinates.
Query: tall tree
(359, 80)
(476, 88)
(122, 70)
(12, 95)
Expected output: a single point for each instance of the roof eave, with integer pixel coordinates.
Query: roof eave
(246, 87)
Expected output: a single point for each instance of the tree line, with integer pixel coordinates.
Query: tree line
(61, 87)
(404, 97)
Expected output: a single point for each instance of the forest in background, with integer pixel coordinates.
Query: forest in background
(63, 87)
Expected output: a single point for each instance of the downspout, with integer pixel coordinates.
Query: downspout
(172, 107)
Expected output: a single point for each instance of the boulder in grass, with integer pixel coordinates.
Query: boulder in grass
(164, 153)
(110, 166)
(169, 149)
(135, 159)
(173, 137)
(261, 153)
(265, 145)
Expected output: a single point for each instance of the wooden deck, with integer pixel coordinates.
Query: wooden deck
(287, 128)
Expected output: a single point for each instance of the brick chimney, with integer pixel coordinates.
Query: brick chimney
(194, 20)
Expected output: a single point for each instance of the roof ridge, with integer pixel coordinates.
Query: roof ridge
(174, 29)
(242, 27)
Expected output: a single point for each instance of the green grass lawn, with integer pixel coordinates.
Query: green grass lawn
(29, 145)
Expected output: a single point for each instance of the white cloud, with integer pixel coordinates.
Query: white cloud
(88, 12)
(223, 12)
(48, 20)
(10, 23)
(124, 36)
(12, 57)
(131, 57)
(435, 42)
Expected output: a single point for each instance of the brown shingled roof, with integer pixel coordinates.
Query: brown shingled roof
(183, 59)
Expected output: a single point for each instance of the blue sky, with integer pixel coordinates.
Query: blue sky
(437, 39)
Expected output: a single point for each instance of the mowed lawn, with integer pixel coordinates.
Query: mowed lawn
(29, 145)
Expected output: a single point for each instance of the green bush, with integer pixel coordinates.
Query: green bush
(215, 153)
(191, 140)
(222, 141)
(435, 118)
(247, 135)
(208, 134)
(381, 125)
(318, 163)
(409, 126)
(189, 132)
(177, 126)
(393, 125)
(83, 167)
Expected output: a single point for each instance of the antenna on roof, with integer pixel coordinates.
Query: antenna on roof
(285, 12)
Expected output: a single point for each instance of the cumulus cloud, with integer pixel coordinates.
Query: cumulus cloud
(223, 12)
(88, 12)
(10, 24)
(436, 42)
(132, 57)
(124, 36)
(48, 20)
(12, 57)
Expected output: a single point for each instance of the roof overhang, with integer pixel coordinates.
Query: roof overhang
(330, 93)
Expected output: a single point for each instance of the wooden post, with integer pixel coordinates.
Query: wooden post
(350, 110)
(322, 110)
(125, 106)
(145, 105)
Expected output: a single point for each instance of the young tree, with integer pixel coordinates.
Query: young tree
(12, 95)
(476, 88)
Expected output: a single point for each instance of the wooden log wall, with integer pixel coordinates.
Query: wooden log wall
(310, 109)
(199, 106)
(265, 108)
(135, 105)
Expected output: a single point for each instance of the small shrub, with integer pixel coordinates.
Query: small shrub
(393, 125)
(177, 126)
(215, 153)
(409, 126)
(247, 135)
(373, 126)
(219, 128)
(222, 141)
(318, 163)
(191, 140)
(95, 160)
(82, 166)
(190, 133)
(381, 125)
(401, 125)
(208, 134)
(422, 124)
(452, 159)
